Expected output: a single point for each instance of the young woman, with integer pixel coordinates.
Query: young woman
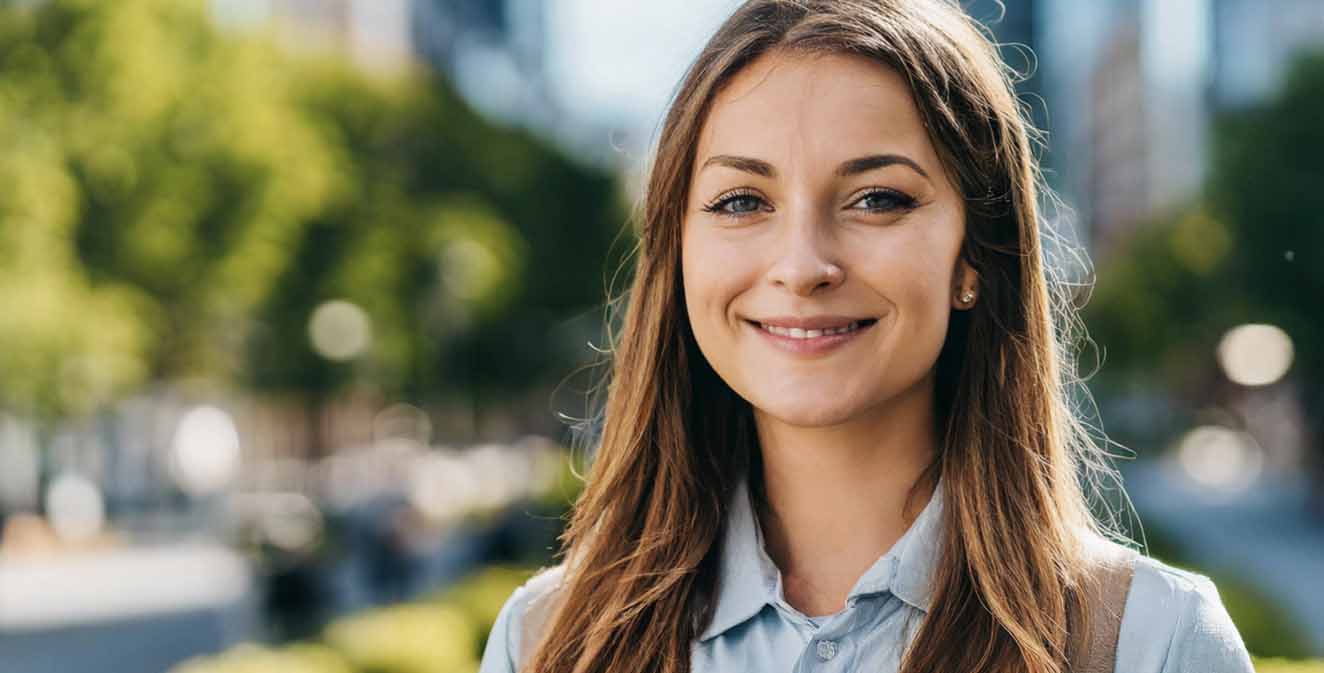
(836, 434)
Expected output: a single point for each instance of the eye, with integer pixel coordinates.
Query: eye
(735, 204)
(885, 200)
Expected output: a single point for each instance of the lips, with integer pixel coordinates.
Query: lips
(821, 322)
(812, 342)
(800, 333)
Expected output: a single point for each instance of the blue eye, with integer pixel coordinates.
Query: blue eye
(735, 204)
(884, 200)
(742, 203)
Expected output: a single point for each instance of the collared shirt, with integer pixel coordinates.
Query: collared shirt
(1174, 621)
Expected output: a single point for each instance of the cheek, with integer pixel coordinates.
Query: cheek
(693, 279)
(714, 273)
(912, 274)
(914, 266)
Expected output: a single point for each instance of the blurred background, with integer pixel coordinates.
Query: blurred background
(301, 303)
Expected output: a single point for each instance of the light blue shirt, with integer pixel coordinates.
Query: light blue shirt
(1174, 621)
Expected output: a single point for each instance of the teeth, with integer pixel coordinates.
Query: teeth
(798, 333)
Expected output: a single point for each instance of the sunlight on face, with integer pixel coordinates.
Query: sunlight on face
(817, 194)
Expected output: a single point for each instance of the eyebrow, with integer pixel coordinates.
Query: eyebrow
(845, 170)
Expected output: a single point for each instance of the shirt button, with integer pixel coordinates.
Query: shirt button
(826, 649)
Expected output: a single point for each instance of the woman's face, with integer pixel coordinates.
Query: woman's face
(817, 201)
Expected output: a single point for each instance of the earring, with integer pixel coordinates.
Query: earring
(967, 296)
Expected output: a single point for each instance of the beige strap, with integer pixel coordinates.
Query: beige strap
(1106, 589)
(544, 590)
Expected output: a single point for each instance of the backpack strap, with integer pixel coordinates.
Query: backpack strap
(1106, 586)
(544, 590)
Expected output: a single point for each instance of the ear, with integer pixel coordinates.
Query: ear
(965, 285)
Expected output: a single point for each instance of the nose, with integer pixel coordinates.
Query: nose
(807, 262)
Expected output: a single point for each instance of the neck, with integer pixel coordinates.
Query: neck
(836, 495)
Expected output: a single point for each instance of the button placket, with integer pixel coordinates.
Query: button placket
(826, 649)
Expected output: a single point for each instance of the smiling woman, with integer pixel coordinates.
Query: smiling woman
(837, 433)
(844, 218)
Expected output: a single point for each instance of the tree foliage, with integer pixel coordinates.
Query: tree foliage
(179, 200)
(1248, 251)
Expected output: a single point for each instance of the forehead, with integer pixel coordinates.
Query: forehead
(787, 105)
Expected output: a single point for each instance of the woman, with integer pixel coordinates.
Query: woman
(837, 434)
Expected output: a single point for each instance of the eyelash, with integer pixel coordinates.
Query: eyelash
(902, 201)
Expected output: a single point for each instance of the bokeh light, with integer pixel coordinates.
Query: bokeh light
(469, 268)
(291, 521)
(443, 487)
(1255, 354)
(340, 330)
(205, 453)
(1220, 458)
(74, 507)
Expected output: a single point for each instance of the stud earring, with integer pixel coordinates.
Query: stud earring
(967, 296)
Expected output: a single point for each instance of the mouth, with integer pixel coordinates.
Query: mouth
(817, 333)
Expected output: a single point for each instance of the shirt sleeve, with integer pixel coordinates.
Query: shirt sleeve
(500, 653)
(1206, 640)
(1175, 622)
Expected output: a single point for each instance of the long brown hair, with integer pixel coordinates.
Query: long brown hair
(643, 542)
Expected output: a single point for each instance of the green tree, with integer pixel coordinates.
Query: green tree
(1266, 179)
(1250, 251)
(180, 200)
(162, 173)
(465, 242)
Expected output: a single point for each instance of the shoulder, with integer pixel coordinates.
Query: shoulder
(1175, 622)
(521, 614)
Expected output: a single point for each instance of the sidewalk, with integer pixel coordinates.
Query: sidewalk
(126, 610)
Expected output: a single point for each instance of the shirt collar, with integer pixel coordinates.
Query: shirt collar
(750, 580)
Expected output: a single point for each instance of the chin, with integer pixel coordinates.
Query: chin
(808, 416)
